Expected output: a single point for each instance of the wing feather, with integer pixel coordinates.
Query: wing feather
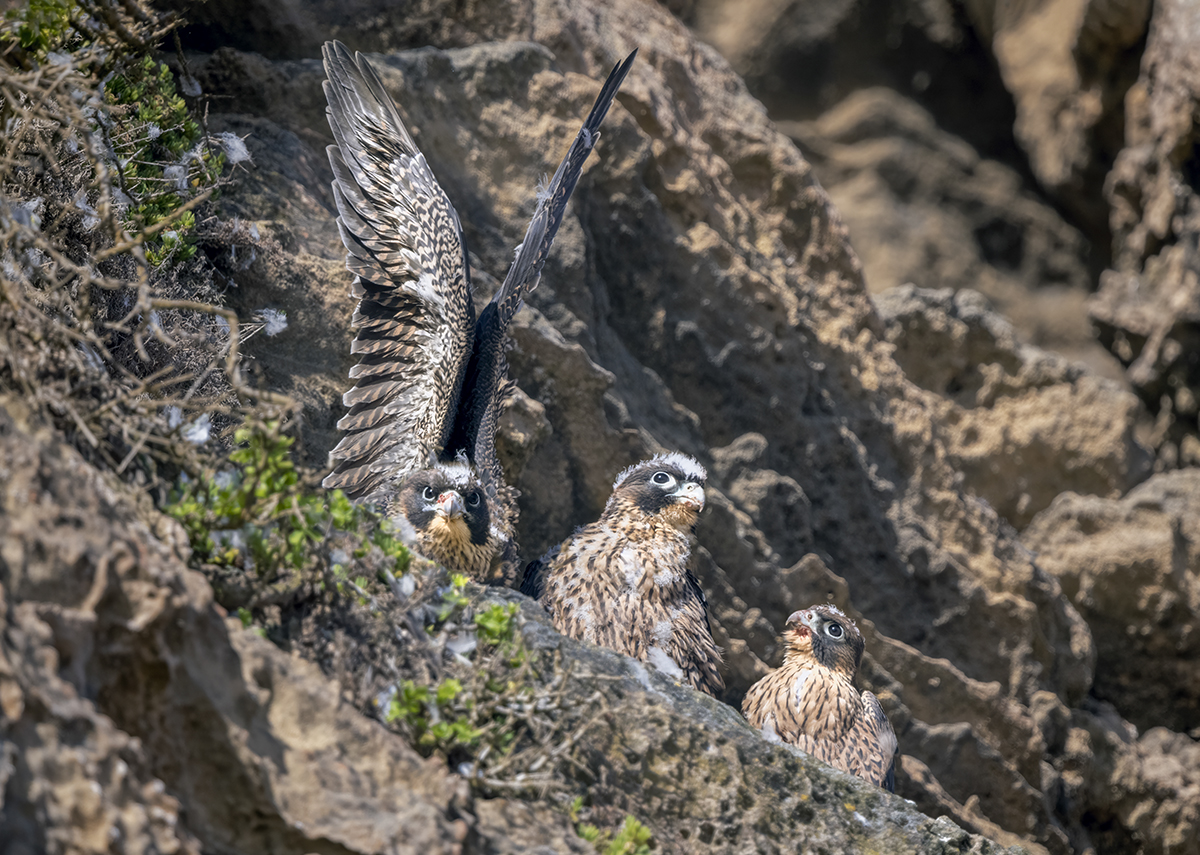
(415, 318)
(533, 583)
(484, 396)
(872, 745)
(552, 202)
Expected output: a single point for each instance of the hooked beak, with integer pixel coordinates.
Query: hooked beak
(450, 504)
(691, 495)
(805, 618)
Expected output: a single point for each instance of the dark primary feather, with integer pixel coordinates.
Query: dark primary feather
(552, 202)
(415, 318)
(485, 390)
(533, 581)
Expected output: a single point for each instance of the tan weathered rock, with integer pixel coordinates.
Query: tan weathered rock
(1147, 303)
(1047, 77)
(73, 782)
(804, 57)
(923, 207)
(1140, 793)
(1155, 791)
(1021, 424)
(1067, 64)
(113, 631)
(1132, 568)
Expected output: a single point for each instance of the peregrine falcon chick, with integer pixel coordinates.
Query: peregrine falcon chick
(431, 377)
(448, 509)
(623, 582)
(810, 700)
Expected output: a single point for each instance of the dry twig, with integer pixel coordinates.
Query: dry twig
(119, 352)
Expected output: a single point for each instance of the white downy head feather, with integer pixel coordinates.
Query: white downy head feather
(688, 465)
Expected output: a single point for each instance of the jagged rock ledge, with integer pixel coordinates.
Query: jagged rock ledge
(138, 717)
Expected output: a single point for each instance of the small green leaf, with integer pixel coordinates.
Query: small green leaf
(448, 691)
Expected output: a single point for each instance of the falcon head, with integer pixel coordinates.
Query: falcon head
(825, 634)
(671, 485)
(451, 513)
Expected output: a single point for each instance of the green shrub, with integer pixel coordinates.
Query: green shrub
(430, 715)
(255, 514)
(160, 154)
(164, 158)
(107, 310)
(632, 838)
(41, 26)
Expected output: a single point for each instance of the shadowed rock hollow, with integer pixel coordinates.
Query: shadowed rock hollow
(703, 296)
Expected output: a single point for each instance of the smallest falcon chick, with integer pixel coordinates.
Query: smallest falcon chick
(453, 522)
(623, 582)
(810, 700)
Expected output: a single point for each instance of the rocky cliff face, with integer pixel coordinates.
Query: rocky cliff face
(704, 296)
(137, 718)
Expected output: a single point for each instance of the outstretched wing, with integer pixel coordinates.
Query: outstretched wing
(415, 318)
(552, 202)
(483, 397)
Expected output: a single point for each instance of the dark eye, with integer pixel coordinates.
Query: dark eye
(661, 478)
(473, 500)
(833, 630)
(428, 494)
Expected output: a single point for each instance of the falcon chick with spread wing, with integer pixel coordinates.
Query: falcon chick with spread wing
(431, 377)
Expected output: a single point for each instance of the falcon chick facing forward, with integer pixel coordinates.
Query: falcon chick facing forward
(623, 581)
(431, 377)
(452, 520)
(810, 700)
